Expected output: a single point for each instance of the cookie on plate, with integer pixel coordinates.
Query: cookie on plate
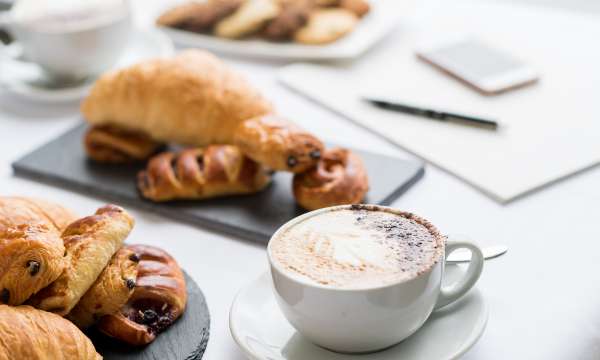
(247, 19)
(326, 25)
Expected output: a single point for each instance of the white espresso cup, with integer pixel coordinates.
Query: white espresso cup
(69, 39)
(368, 319)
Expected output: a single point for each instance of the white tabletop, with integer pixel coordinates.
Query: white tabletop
(544, 294)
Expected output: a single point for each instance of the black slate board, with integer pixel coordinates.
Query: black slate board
(62, 162)
(186, 339)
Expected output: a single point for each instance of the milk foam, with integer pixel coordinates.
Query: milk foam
(357, 248)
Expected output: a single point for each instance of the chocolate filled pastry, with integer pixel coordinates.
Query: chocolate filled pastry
(31, 257)
(90, 243)
(16, 210)
(191, 99)
(279, 144)
(27, 333)
(108, 144)
(293, 15)
(201, 173)
(110, 292)
(158, 300)
(198, 16)
(339, 178)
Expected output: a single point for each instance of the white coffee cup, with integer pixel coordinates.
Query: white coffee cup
(85, 44)
(367, 319)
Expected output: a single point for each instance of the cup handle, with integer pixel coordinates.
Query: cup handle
(453, 292)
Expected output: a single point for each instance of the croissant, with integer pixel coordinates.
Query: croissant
(31, 257)
(112, 145)
(159, 299)
(110, 292)
(90, 243)
(32, 334)
(21, 210)
(277, 143)
(339, 178)
(201, 173)
(190, 99)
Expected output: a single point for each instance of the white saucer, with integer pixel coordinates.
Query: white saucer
(27, 80)
(262, 332)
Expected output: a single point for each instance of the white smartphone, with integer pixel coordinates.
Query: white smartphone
(487, 70)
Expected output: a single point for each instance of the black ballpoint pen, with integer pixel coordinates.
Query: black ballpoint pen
(434, 114)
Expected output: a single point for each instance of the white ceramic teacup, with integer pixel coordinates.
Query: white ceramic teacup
(367, 319)
(67, 43)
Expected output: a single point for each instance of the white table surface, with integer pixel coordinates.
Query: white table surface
(544, 294)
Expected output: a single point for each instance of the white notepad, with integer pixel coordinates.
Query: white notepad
(550, 130)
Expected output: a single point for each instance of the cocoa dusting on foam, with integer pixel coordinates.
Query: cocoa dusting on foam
(358, 247)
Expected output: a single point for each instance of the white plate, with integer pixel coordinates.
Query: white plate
(260, 329)
(384, 16)
(27, 80)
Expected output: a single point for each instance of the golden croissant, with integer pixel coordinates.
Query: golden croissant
(32, 334)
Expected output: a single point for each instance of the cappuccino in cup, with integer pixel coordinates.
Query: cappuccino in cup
(356, 247)
(361, 278)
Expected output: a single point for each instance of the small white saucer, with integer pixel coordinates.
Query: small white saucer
(27, 80)
(263, 333)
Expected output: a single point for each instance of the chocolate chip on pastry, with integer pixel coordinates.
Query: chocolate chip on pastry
(90, 243)
(109, 144)
(31, 257)
(326, 25)
(277, 143)
(110, 292)
(158, 300)
(198, 16)
(201, 173)
(32, 334)
(339, 178)
(293, 15)
(247, 19)
(23, 210)
(358, 7)
(191, 99)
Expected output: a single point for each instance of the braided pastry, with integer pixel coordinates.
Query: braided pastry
(339, 178)
(113, 145)
(110, 292)
(201, 173)
(22, 210)
(90, 242)
(31, 257)
(32, 334)
(159, 299)
(277, 143)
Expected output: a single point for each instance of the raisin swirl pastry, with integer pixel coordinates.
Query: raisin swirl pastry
(201, 173)
(159, 299)
(108, 144)
(32, 334)
(90, 243)
(277, 143)
(31, 257)
(339, 178)
(110, 292)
